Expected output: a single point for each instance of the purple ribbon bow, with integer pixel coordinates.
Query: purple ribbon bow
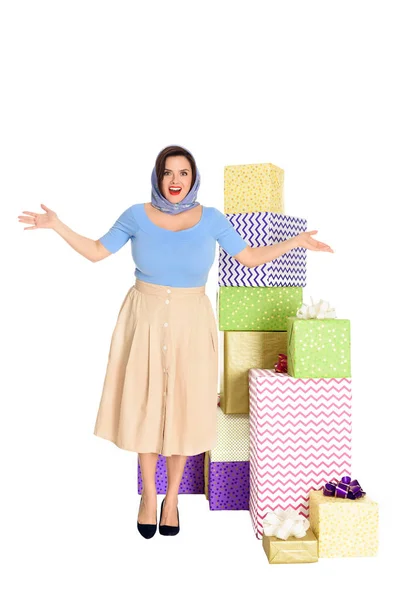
(345, 488)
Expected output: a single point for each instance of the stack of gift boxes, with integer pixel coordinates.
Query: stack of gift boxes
(252, 309)
(299, 422)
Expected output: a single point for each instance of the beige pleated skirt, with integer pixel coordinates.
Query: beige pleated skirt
(160, 387)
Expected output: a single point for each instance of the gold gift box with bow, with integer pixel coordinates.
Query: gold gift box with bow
(292, 550)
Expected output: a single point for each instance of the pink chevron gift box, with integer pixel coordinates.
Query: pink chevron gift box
(300, 437)
(265, 229)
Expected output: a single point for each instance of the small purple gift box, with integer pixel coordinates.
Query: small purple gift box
(227, 484)
(192, 479)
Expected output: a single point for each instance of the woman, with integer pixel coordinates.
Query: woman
(160, 388)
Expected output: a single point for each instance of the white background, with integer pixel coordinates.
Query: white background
(91, 91)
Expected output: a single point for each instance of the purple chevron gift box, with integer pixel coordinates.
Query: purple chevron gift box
(192, 479)
(265, 229)
(300, 437)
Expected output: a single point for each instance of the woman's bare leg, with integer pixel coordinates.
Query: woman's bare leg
(148, 506)
(175, 467)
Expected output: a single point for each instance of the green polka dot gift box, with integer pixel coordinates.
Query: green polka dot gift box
(318, 347)
(242, 308)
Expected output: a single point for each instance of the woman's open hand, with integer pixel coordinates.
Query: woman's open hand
(304, 240)
(46, 220)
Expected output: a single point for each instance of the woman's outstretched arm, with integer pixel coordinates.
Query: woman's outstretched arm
(93, 250)
(253, 257)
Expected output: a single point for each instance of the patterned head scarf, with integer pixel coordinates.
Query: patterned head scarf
(160, 202)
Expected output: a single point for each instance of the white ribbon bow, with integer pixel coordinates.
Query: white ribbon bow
(284, 523)
(318, 310)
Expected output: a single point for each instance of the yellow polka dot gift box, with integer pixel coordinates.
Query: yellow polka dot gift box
(253, 188)
(344, 527)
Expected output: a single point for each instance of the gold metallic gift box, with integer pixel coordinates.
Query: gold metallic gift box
(292, 550)
(244, 350)
(344, 527)
(253, 188)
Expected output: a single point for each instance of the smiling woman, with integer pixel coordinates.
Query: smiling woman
(160, 389)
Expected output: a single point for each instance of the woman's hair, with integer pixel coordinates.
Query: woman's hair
(173, 151)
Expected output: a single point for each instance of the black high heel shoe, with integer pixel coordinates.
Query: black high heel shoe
(147, 530)
(168, 529)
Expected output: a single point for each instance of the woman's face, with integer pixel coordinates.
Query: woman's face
(177, 178)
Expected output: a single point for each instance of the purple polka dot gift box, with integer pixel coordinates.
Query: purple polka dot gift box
(226, 469)
(228, 485)
(192, 479)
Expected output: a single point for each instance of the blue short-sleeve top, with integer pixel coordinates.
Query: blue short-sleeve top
(176, 258)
